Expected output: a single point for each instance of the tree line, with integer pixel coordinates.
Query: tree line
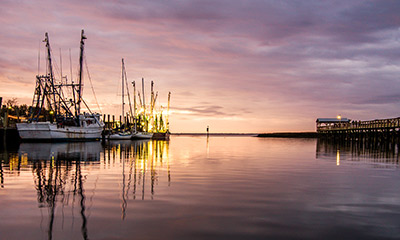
(11, 112)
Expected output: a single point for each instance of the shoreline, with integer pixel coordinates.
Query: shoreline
(215, 134)
(289, 135)
(264, 135)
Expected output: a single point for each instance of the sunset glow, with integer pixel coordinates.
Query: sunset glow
(237, 66)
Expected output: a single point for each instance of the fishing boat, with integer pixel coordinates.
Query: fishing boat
(89, 128)
(151, 122)
(120, 136)
(142, 135)
(62, 120)
(143, 132)
(161, 136)
(123, 133)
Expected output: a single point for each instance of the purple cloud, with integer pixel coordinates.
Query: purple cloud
(259, 60)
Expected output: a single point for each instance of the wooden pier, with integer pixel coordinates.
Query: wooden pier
(376, 130)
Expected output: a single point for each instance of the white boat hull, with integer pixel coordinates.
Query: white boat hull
(50, 131)
(120, 136)
(142, 135)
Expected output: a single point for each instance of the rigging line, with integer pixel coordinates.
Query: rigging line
(56, 69)
(84, 102)
(70, 65)
(91, 84)
(61, 75)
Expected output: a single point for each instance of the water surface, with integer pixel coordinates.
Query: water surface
(200, 188)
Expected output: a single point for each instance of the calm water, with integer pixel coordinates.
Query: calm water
(199, 188)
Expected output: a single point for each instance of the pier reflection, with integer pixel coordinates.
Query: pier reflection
(370, 151)
(1, 174)
(10, 159)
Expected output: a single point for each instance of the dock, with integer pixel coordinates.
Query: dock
(378, 129)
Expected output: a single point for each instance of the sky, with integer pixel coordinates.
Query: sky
(244, 66)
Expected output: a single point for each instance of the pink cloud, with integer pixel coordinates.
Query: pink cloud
(274, 65)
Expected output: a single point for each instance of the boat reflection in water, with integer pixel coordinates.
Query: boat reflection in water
(385, 152)
(58, 177)
(75, 151)
(72, 179)
(141, 160)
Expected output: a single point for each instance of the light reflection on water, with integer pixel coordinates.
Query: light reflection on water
(385, 154)
(200, 188)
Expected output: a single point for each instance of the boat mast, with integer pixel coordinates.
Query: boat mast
(134, 103)
(123, 102)
(140, 100)
(144, 101)
(169, 99)
(152, 98)
(49, 62)
(127, 91)
(144, 105)
(78, 109)
(151, 103)
(51, 76)
(155, 100)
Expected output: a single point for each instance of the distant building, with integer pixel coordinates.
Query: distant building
(329, 123)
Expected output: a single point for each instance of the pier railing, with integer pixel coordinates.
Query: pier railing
(378, 125)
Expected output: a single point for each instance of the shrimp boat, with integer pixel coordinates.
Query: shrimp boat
(62, 120)
(152, 124)
(120, 136)
(143, 133)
